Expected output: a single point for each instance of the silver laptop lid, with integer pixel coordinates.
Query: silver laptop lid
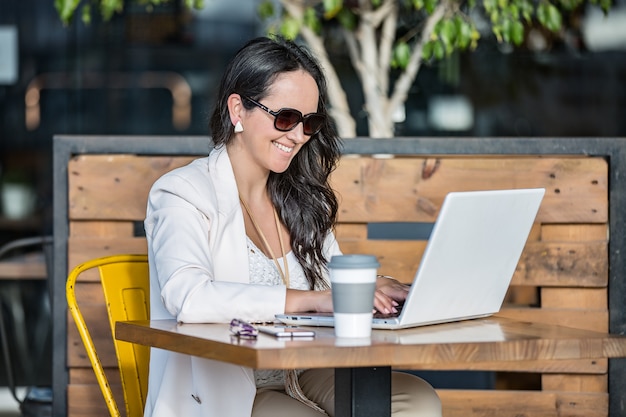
(471, 255)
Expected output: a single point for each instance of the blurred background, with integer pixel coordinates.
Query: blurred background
(156, 73)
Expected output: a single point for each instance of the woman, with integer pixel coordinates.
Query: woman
(247, 232)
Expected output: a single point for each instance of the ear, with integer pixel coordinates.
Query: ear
(235, 108)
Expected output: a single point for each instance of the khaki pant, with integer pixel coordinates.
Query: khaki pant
(411, 396)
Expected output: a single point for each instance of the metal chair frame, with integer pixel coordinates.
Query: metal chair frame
(125, 282)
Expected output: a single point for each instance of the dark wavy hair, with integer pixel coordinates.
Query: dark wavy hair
(302, 194)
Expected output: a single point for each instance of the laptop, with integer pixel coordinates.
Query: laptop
(468, 263)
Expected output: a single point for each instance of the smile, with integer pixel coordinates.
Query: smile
(283, 147)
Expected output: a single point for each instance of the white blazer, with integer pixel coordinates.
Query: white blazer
(199, 273)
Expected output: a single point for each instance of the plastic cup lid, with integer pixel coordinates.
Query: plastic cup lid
(353, 261)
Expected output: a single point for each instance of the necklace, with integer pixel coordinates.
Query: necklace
(283, 274)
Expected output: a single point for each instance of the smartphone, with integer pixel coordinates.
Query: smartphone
(285, 331)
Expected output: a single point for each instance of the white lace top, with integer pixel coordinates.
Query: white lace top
(263, 271)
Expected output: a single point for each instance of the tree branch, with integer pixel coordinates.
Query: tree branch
(385, 46)
(377, 16)
(406, 79)
(375, 97)
(339, 108)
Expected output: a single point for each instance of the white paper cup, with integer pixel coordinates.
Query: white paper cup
(353, 281)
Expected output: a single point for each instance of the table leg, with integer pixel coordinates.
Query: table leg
(361, 392)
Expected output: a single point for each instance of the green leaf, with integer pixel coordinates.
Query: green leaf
(517, 33)
(449, 49)
(430, 5)
(86, 14)
(427, 50)
(489, 5)
(555, 19)
(194, 4)
(542, 14)
(66, 9)
(506, 30)
(438, 50)
(290, 28)
(605, 5)
(311, 20)
(332, 8)
(497, 30)
(109, 7)
(401, 55)
(549, 16)
(494, 16)
(448, 32)
(418, 4)
(265, 9)
(465, 34)
(347, 19)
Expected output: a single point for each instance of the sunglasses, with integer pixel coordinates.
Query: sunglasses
(286, 119)
(243, 329)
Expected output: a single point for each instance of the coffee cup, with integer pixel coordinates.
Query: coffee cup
(353, 282)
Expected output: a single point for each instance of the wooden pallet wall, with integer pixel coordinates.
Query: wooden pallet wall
(562, 277)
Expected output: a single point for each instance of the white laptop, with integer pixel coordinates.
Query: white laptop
(470, 258)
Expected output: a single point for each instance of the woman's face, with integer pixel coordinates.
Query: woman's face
(269, 148)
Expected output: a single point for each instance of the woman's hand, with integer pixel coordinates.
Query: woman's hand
(389, 294)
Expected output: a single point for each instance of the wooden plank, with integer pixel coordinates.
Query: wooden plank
(577, 383)
(570, 264)
(575, 232)
(596, 320)
(126, 178)
(577, 366)
(577, 264)
(85, 248)
(87, 400)
(405, 188)
(398, 259)
(369, 189)
(95, 317)
(351, 231)
(580, 298)
(86, 376)
(483, 403)
(102, 227)
(89, 294)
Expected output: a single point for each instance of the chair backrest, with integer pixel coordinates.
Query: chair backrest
(125, 282)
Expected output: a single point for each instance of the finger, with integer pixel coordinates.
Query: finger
(384, 303)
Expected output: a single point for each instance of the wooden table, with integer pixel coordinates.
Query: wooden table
(363, 368)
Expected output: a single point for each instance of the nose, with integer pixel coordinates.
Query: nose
(296, 135)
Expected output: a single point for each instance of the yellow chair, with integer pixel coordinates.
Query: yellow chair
(125, 282)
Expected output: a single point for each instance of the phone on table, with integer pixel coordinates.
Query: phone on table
(286, 331)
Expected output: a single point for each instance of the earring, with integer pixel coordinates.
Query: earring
(238, 127)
